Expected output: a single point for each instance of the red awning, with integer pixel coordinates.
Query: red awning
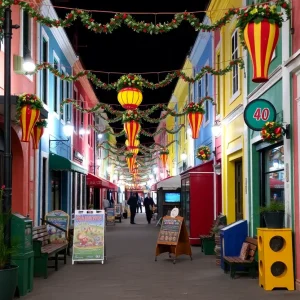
(95, 181)
(276, 184)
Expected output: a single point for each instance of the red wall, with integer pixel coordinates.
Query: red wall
(23, 185)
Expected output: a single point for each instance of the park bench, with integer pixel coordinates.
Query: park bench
(245, 260)
(44, 251)
(206, 240)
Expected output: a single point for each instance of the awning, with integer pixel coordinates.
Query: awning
(170, 183)
(154, 187)
(60, 163)
(97, 182)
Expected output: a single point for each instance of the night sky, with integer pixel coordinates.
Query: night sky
(127, 51)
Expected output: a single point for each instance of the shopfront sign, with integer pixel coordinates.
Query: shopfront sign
(258, 112)
(88, 244)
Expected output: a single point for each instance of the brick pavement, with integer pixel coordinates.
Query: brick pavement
(130, 272)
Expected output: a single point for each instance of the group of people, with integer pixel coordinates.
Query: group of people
(135, 202)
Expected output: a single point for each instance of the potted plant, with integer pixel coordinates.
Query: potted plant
(273, 214)
(8, 271)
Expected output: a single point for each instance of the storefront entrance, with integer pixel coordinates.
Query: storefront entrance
(239, 190)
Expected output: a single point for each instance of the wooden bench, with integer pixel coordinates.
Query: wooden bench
(44, 251)
(232, 262)
(220, 220)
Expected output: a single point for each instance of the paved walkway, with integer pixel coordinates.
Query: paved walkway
(131, 273)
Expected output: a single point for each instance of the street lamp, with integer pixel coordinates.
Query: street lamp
(68, 129)
(216, 128)
(28, 63)
(183, 156)
(100, 136)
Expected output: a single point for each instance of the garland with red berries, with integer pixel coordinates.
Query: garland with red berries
(123, 18)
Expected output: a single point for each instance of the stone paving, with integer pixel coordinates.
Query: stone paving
(130, 272)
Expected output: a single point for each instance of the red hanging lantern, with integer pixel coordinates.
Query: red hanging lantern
(36, 133)
(131, 128)
(28, 118)
(130, 98)
(164, 157)
(261, 40)
(195, 120)
(135, 148)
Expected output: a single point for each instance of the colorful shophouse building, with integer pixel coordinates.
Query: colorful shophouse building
(231, 114)
(55, 166)
(291, 78)
(24, 163)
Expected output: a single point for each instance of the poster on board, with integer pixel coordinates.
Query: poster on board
(61, 220)
(88, 243)
(110, 216)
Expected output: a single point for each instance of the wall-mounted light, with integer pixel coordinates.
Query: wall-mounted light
(108, 169)
(155, 169)
(183, 156)
(98, 161)
(28, 63)
(100, 135)
(189, 131)
(81, 131)
(218, 169)
(68, 129)
(216, 128)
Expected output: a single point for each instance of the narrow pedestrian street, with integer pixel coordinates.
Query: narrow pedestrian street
(130, 272)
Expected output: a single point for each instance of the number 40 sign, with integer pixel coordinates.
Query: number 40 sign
(258, 112)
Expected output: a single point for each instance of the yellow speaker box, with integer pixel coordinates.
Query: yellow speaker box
(275, 258)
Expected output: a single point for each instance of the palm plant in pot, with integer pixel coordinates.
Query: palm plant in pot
(273, 214)
(8, 272)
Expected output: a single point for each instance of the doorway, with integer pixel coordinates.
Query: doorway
(238, 190)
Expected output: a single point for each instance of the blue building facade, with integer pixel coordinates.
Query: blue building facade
(54, 155)
(202, 55)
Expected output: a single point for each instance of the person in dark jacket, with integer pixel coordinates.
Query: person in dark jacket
(132, 202)
(149, 204)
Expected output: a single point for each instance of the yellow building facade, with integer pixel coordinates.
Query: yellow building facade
(229, 95)
(179, 99)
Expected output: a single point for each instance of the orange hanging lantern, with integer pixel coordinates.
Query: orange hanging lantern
(135, 148)
(195, 120)
(130, 159)
(131, 128)
(28, 112)
(261, 40)
(164, 156)
(37, 132)
(130, 98)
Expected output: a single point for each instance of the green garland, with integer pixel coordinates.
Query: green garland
(145, 83)
(122, 18)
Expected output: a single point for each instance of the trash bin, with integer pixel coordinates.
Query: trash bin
(23, 256)
(209, 246)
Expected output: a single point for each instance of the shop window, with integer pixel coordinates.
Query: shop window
(56, 190)
(200, 90)
(206, 102)
(62, 96)
(218, 86)
(26, 34)
(55, 88)
(44, 72)
(44, 185)
(272, 177)
(75, 111)
(234, 55)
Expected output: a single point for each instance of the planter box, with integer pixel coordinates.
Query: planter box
(208, 246)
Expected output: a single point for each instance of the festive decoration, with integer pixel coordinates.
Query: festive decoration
(164, 156)
(259, 32)
(135, 148)
(131, 126)
(203, 153)
(130, 98)
(131, 115)
(130, 160)
(195, 113)
(145, 83)
(37, 132)
(272, 132)
(28, 112)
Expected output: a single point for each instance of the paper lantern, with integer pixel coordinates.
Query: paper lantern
(130, 162)
(261, 40)
(195, 120)
(130, 98)
(28, 118)
(36, 133)
(164, 158)
(131, 128)
(135, 148)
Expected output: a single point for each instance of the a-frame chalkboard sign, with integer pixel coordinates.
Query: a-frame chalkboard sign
(173, 238)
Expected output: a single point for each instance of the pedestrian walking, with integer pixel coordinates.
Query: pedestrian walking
(132, 202)
(139, 204)
(149, 204)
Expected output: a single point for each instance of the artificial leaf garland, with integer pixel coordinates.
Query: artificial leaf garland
(144, 83)
(122, 18)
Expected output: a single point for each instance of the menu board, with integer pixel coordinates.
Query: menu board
(88, 241)
(110, 216)
(118, 209)
(61, 220)
(169, 231)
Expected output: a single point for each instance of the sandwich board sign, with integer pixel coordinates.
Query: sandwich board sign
(88, 243)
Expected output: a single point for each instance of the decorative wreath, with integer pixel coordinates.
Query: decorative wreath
(203, 153)
(131, 115)
(197, 107)
(41, 123)
(272, 132)
(130, 80)
(257, 12)
(27, 99)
